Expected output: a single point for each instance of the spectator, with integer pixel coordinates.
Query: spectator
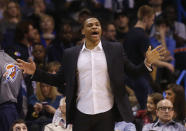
(149, 115)
(43, 106)
(121, 22)
(19, 125)
(62, 41)
(53, 67)
(109, 32)
(24, 38)
(178, 29)
(39, 54)
(40, 9)
(135, 45)
(165, 113)
(11, 16)
(160, 38)
(59, 119)
(48, 33)
(164, 75)
(175, 93)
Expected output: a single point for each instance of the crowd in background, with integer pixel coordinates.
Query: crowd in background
(43, 29)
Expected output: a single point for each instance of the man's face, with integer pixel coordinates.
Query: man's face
(39, 52)
(165, 111)
(92, 30)
(111, 32)
(170, 95)
(149, 21)
(66, 35)
(123, 21)
(20, 127)
(47, 24)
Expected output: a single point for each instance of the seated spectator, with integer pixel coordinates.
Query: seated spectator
(43, 105)
(175, 93)
(165, 113)
(53, 67)
(48, 33)
(19, 125)
(164, 74)
(59, 119)
(39, 54)
(11, 16)
(149, 115)
(178, 29)
(24, 37)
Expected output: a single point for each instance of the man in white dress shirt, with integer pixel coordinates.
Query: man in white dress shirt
(93, 74)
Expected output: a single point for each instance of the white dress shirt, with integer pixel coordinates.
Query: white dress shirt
(94, 92)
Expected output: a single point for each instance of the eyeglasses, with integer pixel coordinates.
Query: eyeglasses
(164, 108)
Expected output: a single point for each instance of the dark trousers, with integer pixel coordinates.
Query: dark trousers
(8, 114)
(99, 122)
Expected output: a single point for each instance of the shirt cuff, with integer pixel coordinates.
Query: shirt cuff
(149, 66)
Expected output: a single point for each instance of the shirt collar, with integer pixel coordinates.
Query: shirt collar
(98, 47)
(158, 123)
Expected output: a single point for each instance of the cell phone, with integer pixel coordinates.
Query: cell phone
(44, 103)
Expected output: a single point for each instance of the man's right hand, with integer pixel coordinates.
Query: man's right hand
(27, 67)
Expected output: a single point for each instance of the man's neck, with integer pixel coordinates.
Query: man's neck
(164, 122)
(124, 30)
(90, 44)
(140, 24)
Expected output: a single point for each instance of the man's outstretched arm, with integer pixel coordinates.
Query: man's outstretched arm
(39, 75)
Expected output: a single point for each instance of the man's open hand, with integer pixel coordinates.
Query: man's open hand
(27, 67)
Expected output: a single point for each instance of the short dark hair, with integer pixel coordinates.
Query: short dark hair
(22, 28)
(18, 121)
(156, 97)
(121, 14)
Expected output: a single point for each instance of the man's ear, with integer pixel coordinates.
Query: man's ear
(145, 19)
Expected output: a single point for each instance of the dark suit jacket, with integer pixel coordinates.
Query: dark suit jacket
(117, 64)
